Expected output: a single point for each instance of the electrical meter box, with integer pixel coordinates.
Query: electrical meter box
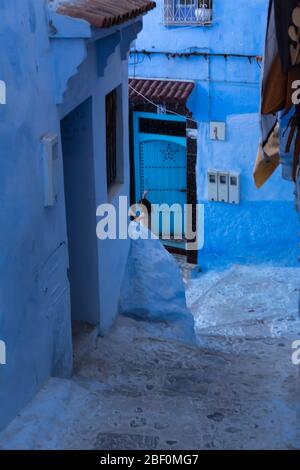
(212, 185)
(2, 92)
(50, 154)
(223, 186)
(234, 188)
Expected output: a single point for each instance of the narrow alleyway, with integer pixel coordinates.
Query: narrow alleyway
(136, 390)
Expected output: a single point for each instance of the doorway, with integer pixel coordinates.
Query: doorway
(80, 199)
(161, 169)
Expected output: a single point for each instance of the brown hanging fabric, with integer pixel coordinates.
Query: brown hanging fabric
(294, 136)
(296, 154)
(281, 71)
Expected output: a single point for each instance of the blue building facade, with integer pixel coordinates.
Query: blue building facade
(64, 80)
(220, 51)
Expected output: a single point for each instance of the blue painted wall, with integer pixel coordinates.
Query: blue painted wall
(226, 90)
(35, 313)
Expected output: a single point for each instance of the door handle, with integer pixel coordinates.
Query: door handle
(183, 190)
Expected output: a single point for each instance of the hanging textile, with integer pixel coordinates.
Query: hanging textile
(281, 70)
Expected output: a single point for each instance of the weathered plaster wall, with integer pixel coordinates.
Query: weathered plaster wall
(226, 90)
(264, 227)
(35, 316)
(34, 291)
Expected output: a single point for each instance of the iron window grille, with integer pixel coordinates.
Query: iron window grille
(157, 126)
(111, 137)
(188, 12)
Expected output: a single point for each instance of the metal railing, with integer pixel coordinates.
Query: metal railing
(188, 12)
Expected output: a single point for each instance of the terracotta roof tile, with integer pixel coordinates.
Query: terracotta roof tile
(159, 91)
(103, 13)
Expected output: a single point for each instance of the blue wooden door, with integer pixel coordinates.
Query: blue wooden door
(161, 170)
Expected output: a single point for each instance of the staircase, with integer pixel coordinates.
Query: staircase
(137, 389)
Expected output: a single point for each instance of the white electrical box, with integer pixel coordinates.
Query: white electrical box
(2, 92)
(223, 186)
(50, 154)
(217, 130)
(212, 185)
(234, 188)
(192, 133)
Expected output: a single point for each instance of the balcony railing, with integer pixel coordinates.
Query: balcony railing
(188, 12)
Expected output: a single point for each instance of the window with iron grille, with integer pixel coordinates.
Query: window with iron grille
(197, 12)
(111, 137)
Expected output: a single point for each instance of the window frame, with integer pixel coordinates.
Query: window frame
(114, 131)
(183, 12)
(111, 137)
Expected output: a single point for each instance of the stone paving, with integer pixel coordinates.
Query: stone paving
(237, 389)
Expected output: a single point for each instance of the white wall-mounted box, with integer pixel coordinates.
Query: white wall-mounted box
(235, 188)
(2, 92)
(217, 130)
(49, 155)
(223, 186)
(212, 185)
(192, 133)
